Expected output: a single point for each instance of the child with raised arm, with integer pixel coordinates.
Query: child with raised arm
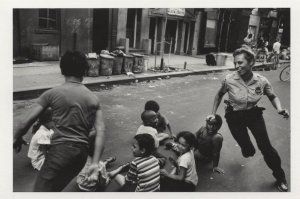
(184, 177)
(209, 141)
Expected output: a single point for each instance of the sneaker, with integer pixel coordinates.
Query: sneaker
(282, 186)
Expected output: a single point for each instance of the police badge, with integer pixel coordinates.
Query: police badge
(258, 90)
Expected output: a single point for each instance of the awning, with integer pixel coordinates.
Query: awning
(186, 14)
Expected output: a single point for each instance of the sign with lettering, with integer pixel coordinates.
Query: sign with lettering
(176, 11)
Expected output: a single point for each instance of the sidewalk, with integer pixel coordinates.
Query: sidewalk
(31, 79)
(36, 77)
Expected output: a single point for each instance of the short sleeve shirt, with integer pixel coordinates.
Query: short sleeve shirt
(74, 110)
(151, 131)
(187, 161)
(244, 96)
(145, 173)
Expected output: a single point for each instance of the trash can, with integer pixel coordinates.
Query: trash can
(93, 69)
(117, 65)
(221, 59)
(106, 64)
(127, 63)
(138, 63)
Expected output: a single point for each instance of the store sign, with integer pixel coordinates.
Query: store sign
(157, 12)
(176, 11)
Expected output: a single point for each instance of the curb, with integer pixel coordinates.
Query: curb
(35, 92)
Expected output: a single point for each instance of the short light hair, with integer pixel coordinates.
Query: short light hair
(248, 53)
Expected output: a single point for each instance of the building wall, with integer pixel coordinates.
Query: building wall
(29, 32)
(77, 27)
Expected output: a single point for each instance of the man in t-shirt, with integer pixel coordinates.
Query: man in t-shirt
(276, 47)
(76, 110)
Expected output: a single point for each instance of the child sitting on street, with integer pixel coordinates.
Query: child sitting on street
(41, 139)
(163, 125)
(209, 141)
(184, 176)
(144, 171)
(149, 119)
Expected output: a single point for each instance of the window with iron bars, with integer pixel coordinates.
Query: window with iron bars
(48, 19)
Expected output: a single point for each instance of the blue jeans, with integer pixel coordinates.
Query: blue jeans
(63, 162)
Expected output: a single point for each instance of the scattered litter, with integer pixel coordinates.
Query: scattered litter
(168, 77)
(151, 86)
(242, 165)
(142, 98)
(130, 74)
(159, 78)
(211, 178)
(159, 96)
(214, 78)
(128, 94)
(136, 81)
(102, 84)
(108, 77)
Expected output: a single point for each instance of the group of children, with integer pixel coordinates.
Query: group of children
(146, 172)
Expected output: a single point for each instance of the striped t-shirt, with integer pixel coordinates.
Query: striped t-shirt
(145, 173)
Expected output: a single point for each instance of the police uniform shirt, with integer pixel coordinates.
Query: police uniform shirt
(244, 96)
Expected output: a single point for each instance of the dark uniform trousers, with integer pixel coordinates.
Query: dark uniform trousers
(238, 121)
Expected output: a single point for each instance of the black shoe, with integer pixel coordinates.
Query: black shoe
(282, 186)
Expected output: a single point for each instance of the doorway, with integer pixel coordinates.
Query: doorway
(100, 30)
(170, 36)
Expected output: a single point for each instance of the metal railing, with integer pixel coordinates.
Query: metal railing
(163, 52)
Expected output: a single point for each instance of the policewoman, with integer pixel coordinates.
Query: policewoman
(245, 89)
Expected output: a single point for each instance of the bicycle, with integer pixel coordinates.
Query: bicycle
(285, 73)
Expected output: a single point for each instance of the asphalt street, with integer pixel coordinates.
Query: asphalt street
(186, 101)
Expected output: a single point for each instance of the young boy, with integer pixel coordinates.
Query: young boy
(41, 139)
(144, 171)
(163, 125)
(209, 141)
(184, 176)
(150, 120)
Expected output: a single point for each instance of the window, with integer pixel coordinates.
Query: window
(48, 19)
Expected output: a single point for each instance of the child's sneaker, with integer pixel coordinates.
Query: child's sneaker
(282, 186)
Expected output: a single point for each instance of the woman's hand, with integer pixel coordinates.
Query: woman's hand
(284, 112)
(210, 117)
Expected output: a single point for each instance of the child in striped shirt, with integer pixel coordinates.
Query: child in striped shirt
(144, 171)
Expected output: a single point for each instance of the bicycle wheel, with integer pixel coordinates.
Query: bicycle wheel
(285, 74)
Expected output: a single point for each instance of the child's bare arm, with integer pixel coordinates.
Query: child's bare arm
(179, 176)
(162, 136)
